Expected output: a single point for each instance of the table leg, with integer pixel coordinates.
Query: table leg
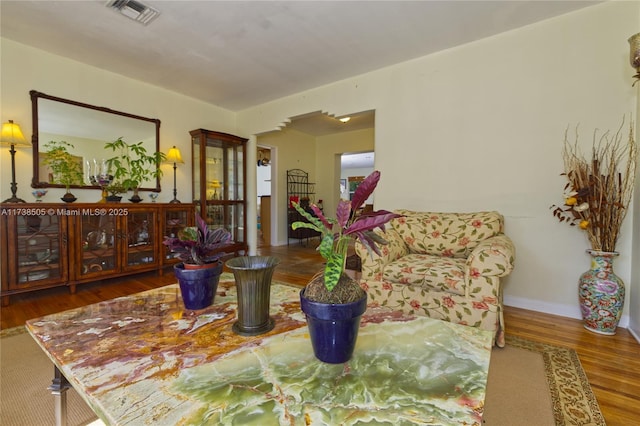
(59, 386)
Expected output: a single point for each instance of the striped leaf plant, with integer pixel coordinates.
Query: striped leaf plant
(337, 232)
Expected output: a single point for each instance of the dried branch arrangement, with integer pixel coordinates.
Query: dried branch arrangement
(599, 189)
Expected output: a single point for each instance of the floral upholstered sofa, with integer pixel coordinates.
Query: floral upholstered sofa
(442, 265)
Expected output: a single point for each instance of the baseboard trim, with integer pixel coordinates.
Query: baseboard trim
(563, 310)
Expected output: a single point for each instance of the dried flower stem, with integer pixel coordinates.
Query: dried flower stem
(604, 184)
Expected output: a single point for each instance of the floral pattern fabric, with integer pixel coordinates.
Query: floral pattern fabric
(442, 265)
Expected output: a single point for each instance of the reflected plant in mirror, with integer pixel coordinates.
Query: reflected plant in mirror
(132, 166)
(66, 169)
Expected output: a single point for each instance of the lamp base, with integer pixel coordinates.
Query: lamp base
(14, 199)
(174, 201)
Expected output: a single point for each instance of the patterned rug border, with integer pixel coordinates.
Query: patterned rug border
(574, 402)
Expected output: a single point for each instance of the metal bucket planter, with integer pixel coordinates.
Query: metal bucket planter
(253, 283)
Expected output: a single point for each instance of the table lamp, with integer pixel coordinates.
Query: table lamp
(215, 184)
(12, 136)
(174, 156)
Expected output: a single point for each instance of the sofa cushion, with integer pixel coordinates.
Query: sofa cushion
(446, 234)
(429, 272)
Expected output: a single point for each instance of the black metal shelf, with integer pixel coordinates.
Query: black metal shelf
(300, 190)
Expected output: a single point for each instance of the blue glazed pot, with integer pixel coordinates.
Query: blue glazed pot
(198, 286)
(333, 328)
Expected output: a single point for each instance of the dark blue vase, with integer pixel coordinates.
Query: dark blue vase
(333, 328)
(198, 286)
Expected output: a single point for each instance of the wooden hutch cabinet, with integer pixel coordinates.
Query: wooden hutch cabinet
(219, 183)
(35, 248)
(47, 245)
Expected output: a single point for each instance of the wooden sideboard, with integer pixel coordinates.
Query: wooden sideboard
(47, 245)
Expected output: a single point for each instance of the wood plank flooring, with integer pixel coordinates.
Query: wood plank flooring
(612, 363)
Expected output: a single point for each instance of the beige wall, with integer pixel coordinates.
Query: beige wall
(25, 69)
(481, 127)
(634, 296)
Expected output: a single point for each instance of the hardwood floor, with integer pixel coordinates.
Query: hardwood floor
(612, 363)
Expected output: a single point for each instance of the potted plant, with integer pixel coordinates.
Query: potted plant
(200, 249)
(133, 165)
(66, 169)
(114, 189)
(333, 302)
(597, 195)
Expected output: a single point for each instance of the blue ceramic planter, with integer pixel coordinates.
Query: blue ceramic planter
(333, 328)
(198, 286)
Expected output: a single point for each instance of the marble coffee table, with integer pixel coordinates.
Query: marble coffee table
(143, 359)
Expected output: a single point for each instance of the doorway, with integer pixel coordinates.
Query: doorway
(263, 185)
(312, 142)
(354, 167)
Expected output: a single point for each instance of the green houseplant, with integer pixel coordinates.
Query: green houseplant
(200, 248)
(66, 169)
(132, 166)
(331, 290)
(114, 189)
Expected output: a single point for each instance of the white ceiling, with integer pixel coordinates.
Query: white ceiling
(237, 54)
(357, 161)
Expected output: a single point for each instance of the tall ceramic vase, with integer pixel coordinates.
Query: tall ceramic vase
(601, 294)
(253, 284)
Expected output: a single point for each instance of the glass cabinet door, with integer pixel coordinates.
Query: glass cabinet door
(140, 237)
(174, 219)
(219, 174)
(99, 236)
(40, 244)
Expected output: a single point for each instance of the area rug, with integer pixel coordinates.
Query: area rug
(534, 383)
(529, 384)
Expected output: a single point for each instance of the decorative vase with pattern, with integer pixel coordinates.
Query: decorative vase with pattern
(601, 294)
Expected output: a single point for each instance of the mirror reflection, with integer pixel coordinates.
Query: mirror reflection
(87, 128)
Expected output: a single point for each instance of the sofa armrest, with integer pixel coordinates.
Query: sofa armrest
(494, 256)
(373, 266)
(491, 259)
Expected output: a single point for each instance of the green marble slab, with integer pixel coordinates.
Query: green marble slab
(143, 359)
(417, 371)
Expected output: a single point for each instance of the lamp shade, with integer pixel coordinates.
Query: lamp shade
(12, 135)
(174, 156)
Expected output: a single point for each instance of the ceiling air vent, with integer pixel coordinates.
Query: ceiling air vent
(134, 10)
